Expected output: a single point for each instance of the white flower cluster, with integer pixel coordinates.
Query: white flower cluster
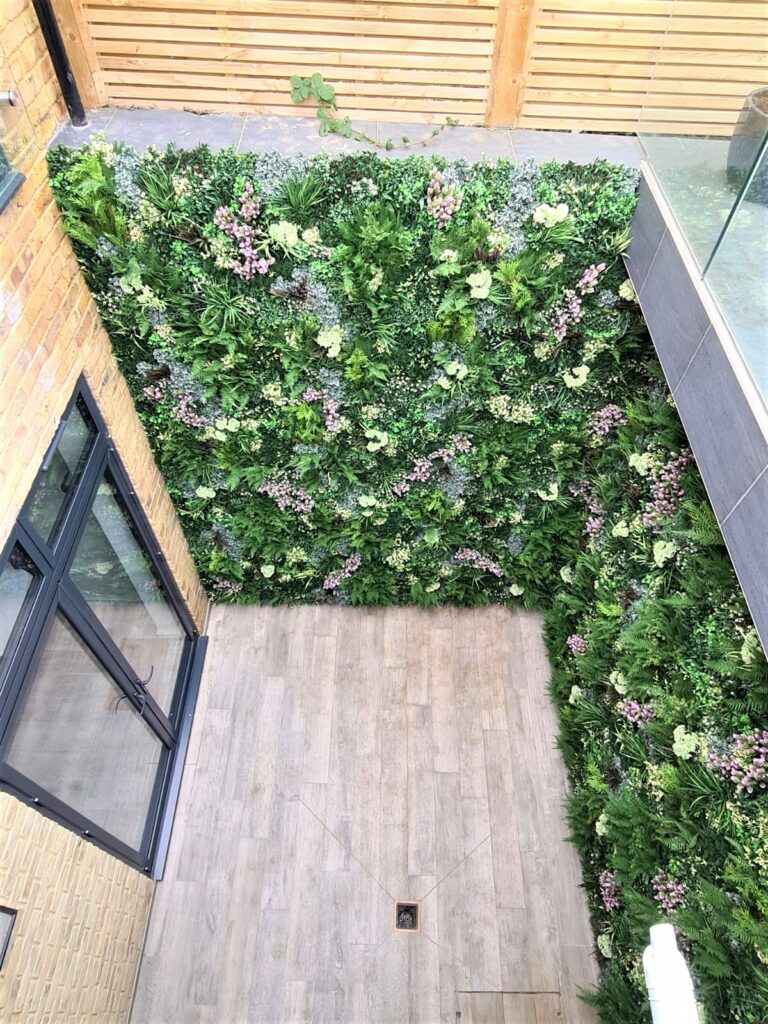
(502, 408)
(548, 216)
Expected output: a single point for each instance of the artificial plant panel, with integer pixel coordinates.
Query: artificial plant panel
(401, 381)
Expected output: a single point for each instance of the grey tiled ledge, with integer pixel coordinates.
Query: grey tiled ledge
(299, 135)
(725, 427)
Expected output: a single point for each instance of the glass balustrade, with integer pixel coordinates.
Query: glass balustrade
(704, 128)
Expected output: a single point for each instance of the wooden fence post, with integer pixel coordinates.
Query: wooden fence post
(81, 52)
(505, 95)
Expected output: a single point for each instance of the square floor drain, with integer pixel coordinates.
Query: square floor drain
(406, 916)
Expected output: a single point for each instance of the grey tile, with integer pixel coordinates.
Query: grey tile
(299, 136)
(294, 136)
(744, 533)
(580, 147)
(727, 441)
(647, 228)
(142, 128)
(98, 120)
(453, 143)
(672, 310)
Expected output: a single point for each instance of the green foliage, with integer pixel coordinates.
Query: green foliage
(93, 211)
(388, 411)
(314, 87)
(301, 197)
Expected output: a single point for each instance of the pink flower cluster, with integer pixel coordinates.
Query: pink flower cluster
(240, 228)
(667, 892)
(227, 586)
(576, 644)
(605, 420)
(609, 890)
(666, 491)
(478, 561)
(156, 392)
(635, 712)
(185, 412)
(746, 765)
(589, 278)
(419, 472)
(330, 407)
(442, 200)
(335, 579)
(566, 314)
(596, 518)
(422, 467)
(286, 496)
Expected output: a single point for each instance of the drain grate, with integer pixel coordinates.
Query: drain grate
(406, 916)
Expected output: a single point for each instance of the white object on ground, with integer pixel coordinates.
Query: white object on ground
(669, 983)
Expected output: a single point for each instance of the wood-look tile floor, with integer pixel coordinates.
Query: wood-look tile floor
(345, 758)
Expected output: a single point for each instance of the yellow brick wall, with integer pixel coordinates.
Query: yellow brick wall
(82, 913)
(79, 928)
(50, 331)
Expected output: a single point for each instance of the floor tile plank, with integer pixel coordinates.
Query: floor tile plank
(343, 758)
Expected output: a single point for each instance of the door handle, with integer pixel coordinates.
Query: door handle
(144, 683)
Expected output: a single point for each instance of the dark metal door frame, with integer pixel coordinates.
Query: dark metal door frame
(57, 593)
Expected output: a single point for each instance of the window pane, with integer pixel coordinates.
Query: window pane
(112, 571)
(19, 582)
(76, 739)
(52, 494)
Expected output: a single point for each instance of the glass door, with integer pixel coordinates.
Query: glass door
(77, 736)
(96, 649)
(111, 574)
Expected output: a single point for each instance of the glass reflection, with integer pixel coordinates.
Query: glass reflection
(112, 571)
(74, 736)
(19, 582)
(57, 484)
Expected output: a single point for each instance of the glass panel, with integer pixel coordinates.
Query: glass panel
(113, 572)
(19, 582)
(738, 274)
(703, 126)
(74, 737)
(16, 132)
(691, 172)
(52, 494)
(693, 115)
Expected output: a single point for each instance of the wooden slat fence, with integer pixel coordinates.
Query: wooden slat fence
(666, 65)
(594, 65)
(395, 60)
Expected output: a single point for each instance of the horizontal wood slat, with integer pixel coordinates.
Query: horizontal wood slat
(237, 67)
(363, 90)
(648, 65)
(712, 8)
(292, 61)
(280, 27)
(234, 36)
(188, 94)
(450, 13)
(616, 74)
(361, 114)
